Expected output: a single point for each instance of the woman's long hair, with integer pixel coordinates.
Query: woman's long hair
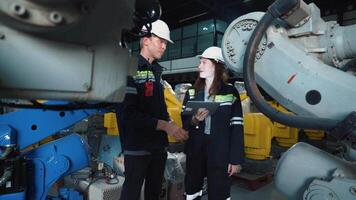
(220, 76)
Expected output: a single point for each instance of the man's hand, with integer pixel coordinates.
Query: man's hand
(201, 114)
(172, 129)
(233, 169)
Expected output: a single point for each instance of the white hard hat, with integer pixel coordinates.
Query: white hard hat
(214, 53)
(160, 29)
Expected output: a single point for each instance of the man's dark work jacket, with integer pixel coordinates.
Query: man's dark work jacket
(143, 105)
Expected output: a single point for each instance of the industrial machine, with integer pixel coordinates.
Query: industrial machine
(59, 50)
(72, 50)
(308, 66)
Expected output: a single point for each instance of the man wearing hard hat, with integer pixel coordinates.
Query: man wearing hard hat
(145, 119)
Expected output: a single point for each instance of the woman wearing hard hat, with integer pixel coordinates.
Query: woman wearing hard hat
(215, 147)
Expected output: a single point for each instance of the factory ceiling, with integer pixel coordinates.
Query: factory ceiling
(181, 12)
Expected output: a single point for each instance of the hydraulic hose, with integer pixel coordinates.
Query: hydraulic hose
(6, 176)
(276, 10)
(349, 65)
(6, 153)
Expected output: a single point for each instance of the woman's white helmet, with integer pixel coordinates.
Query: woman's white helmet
(160, 29)
(214, 53)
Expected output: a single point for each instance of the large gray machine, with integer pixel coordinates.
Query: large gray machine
(71, 50)
(308, 66)
(65, 49)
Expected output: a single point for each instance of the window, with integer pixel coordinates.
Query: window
(193, 39)
(221, 26)
(176, 34)
(190, 31)
(205, 41)
(174, 50)
(219, 39)
(164, 56)
(206, 27)
(189, 47)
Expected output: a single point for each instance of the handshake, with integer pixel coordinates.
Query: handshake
(172, 129)
(180, 134)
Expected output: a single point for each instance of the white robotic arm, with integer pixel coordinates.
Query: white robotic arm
(307, 65)
(301, 62)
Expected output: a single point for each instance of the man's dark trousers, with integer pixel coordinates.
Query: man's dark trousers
(148, 168)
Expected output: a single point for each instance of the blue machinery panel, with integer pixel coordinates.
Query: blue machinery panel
(110, 147)
(51, 161)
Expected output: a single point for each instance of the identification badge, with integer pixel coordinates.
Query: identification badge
(148, 88)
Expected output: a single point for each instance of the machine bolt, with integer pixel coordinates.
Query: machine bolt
(353, 190)
(86, 86)
(270, 45)
(19, 10)
(56, 17)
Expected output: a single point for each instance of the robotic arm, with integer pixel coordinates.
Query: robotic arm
(299, 60)
(307, 65)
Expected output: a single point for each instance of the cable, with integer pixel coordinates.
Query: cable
(349, 65)
(111, 176)
(6, 152)
(6, 176)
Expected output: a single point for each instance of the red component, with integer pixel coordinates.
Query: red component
(149, 89)
(291, 78)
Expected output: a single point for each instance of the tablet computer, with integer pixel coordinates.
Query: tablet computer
(192, 107)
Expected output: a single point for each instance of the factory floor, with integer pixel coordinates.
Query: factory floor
(266, 192)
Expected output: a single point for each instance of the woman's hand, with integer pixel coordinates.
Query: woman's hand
(233, 169)
(201, 114)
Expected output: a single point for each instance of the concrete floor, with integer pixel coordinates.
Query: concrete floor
(267, 192)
